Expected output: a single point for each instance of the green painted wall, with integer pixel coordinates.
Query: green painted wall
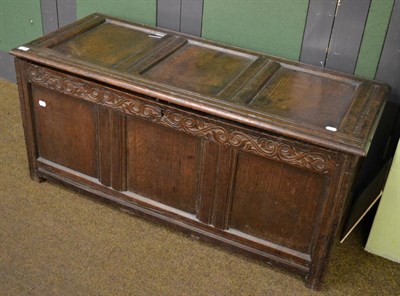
(374, 37)
(274, 27)
(141, 11)
(20, 22)
(384, 238)
(270, 26)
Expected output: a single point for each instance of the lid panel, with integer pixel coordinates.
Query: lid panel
(107, 44)
(200, 69)
(305, 98)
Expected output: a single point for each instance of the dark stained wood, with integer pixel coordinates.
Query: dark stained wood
(106, 44)
(242, 80)
(304, 97)
(138, 206)
(163, 165)
(223, 187)
(328, 225)
(27, 120)
(228, 144)
(65, 33)
(246, 93)
(276, 203)
(104, 144)
(157, 56)
(209, 170)
(118, 151)
(139, 57)
(65, 130)
(207, 70)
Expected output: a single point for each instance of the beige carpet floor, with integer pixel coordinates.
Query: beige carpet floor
(54, 241)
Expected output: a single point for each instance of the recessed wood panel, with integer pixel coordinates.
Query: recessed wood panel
(163, 165)
(200, 69)
(66, 130)
(106, 44)
(305, 98)
(276, 202)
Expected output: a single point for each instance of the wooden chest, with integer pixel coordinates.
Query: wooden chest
(254, 152)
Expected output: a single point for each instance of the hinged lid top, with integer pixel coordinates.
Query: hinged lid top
(331, 109)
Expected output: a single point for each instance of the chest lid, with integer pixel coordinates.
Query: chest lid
(327, 108)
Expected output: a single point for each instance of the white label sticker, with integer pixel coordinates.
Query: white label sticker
(23, 48)
(42, 103)
(155, 36)
(331, 128)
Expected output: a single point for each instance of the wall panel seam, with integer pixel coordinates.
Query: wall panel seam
(304, 31)
(362, 37)
(386, 35)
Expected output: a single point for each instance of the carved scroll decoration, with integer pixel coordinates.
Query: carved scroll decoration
(190, 124)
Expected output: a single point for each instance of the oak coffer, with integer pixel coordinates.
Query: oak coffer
(254, 152)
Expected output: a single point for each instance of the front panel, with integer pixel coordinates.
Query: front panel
(162, 164)
(65, 130)
(276, 202)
